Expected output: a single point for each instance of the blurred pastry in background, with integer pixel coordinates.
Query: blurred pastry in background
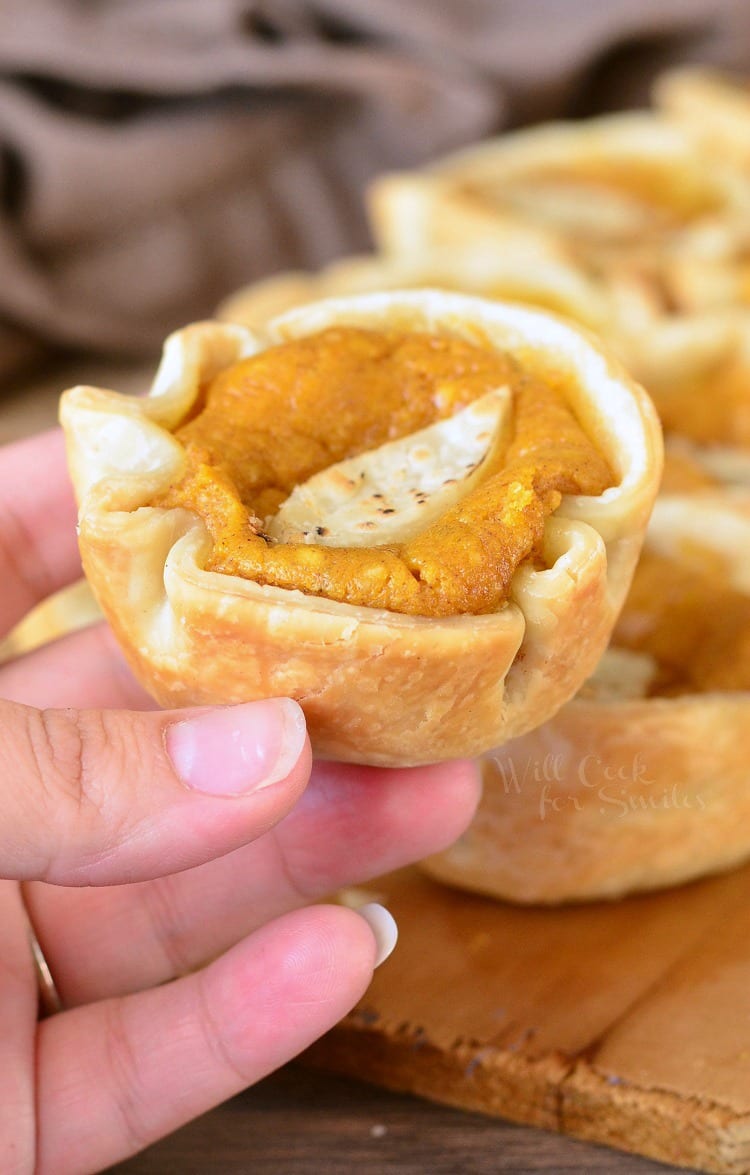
(69, 609)
(642, 780)
(627, 191)
(714, 109)
(713, 105)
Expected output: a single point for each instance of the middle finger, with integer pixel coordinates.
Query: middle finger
(352, 824)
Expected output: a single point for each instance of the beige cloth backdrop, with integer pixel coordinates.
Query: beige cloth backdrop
(154, 154)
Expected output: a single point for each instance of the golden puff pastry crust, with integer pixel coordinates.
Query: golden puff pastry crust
(377, 687)
(620, 791)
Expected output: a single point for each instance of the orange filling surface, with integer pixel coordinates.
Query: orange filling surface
(682, 613)
(270, 422)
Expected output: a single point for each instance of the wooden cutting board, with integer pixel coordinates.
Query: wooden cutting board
(624, 1023)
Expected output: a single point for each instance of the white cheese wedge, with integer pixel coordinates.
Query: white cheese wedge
(394, 492)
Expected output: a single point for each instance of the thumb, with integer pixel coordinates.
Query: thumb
(103, 797)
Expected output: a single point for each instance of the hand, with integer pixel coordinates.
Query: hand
(166, 861)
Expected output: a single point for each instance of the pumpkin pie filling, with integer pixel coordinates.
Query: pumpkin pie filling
(272, 421)
(682, 613)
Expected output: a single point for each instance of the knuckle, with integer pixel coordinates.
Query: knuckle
(130, 1100)
(236, 1063)
(56, 746)
(301, 883)
(172, 932)
(73, 755)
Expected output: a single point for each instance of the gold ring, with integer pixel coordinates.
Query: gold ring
(49, 996)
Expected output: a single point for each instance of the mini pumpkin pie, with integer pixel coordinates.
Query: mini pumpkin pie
(642, 780)
(417, 513)
(620, 193)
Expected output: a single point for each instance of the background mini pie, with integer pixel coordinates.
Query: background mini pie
(616, 195)
(604, 183)
(642, 780)
(380, 684)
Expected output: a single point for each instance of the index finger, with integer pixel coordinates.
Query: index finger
(38, 547)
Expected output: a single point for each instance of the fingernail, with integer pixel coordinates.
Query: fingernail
(237, 749)
(383, 926)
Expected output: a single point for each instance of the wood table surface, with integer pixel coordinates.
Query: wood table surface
(301, 1121)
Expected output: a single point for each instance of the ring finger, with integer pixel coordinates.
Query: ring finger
(118, 1074)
